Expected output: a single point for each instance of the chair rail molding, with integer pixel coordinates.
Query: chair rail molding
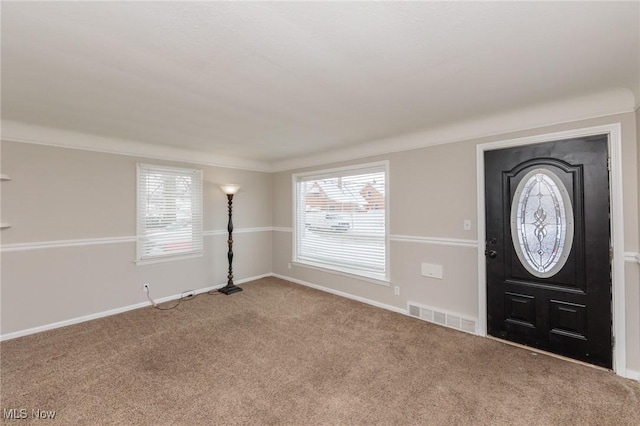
(40, 245)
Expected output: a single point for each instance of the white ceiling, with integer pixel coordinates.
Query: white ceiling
(273, 81)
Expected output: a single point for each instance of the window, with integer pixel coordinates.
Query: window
(542, 223)
(169, 221)
(341, 231)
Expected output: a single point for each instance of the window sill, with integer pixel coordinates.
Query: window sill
(153, 260)
(344, 273)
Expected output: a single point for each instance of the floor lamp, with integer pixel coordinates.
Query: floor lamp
(230, 288)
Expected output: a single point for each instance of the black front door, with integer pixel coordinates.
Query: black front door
(547, 247)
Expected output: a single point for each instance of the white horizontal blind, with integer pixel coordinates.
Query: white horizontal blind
(341, 220)
(169, 212)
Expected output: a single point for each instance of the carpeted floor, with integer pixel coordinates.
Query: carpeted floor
(279, 353)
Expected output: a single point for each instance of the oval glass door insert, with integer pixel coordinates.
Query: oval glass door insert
(542, 223)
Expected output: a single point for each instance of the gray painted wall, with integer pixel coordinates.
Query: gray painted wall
(433, 190)
(64, 194)
(67, 195)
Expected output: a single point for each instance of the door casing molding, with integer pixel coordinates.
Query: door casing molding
(617, 227)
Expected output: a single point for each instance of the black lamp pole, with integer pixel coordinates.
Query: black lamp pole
(230, 288)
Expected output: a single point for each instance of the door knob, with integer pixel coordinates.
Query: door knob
(491, 253)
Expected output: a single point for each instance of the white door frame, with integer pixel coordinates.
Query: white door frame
(617, 228)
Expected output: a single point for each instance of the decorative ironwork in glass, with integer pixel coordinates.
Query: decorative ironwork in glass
(542, 223)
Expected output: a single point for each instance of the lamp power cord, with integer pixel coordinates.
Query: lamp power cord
(182, 297)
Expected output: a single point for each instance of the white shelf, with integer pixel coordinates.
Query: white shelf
(4, 225)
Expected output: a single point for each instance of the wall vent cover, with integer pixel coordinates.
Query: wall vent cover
(468, 325)
(414, 311)
(426, 314)
(453, 321)
(442, 317)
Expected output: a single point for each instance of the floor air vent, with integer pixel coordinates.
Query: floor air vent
(440, 318)
(414, 311)
(426, 314)
(447, 319)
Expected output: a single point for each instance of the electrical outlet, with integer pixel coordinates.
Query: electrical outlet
(145, 287)
(396, 290)
(289, 265)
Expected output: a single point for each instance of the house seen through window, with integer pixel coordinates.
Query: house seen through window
(169, 221)
(340, 221)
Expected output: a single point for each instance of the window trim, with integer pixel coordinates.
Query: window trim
(139, 261)
(329, 173)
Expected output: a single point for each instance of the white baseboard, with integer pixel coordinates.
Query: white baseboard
(72, 321)
(628, 373)
(632, 374)
(59, 324)
(342, 294)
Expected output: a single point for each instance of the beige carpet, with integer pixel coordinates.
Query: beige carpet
(279, 353)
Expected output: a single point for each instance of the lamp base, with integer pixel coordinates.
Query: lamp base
(230, 289)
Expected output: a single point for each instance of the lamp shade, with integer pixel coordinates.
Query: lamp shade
(230, 188)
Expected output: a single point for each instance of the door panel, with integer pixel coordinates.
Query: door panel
(548, 267)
